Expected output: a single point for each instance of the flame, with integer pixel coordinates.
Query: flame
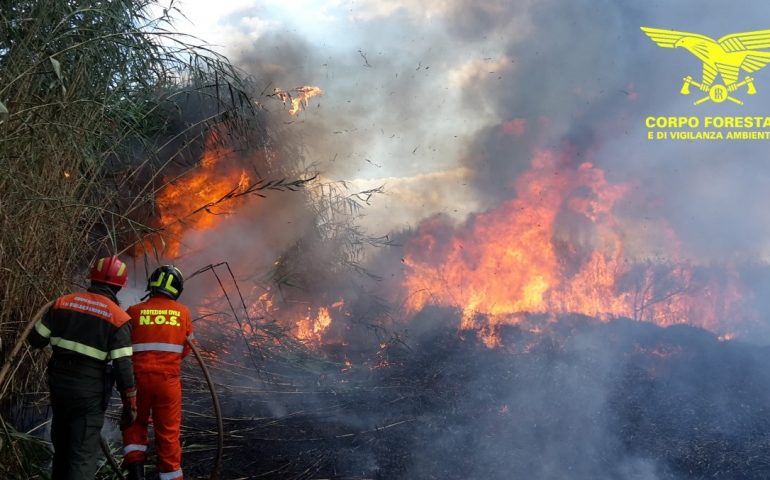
(311, 328)
(299, 99)
(556, 248)
(309, 324)
(192, 201)
(314, 329)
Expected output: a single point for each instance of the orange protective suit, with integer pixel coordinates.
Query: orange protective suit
(160, 329)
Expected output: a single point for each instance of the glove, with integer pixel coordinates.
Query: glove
(128, 416)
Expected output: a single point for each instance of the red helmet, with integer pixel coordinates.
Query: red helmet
(109, 270)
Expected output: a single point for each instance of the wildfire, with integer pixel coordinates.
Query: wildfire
(556, 248)
(197, 199)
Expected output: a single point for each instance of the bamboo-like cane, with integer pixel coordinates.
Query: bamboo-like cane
(18, 346)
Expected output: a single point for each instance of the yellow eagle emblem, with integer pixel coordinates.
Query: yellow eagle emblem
(725, 57)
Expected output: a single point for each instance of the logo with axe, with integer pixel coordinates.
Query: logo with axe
(725, 57)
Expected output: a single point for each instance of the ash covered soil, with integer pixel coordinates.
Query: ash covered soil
(584, 400)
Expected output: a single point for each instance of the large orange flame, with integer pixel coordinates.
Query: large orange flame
(555, 248)
(198, 198)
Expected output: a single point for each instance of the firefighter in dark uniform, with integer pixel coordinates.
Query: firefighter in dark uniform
(87, 331)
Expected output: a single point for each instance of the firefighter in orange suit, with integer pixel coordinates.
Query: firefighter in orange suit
(87, 331)
(161, 327)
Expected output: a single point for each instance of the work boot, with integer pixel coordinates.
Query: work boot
(135, 471)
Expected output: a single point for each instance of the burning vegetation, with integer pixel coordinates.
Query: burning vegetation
(558, 248)
(197, 198)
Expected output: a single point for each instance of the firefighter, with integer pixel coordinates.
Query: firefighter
(87, 331)
(161, 327)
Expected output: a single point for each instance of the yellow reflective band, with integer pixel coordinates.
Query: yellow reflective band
(41, 329)
(99, 265)
(121, 269)
(121, 352)
(159, 281)
(79, 348)
(169, 287)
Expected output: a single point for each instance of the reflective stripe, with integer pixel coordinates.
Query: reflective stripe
(134, 447)
(78, 347)
(121, 352)
(44, 331)
(160, 347)
(170, 475)
(170, 287)
(159, 281)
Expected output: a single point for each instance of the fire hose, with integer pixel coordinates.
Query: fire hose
(4, 372)
(217, 412)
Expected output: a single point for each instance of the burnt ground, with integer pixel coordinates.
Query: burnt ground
(587, 400)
